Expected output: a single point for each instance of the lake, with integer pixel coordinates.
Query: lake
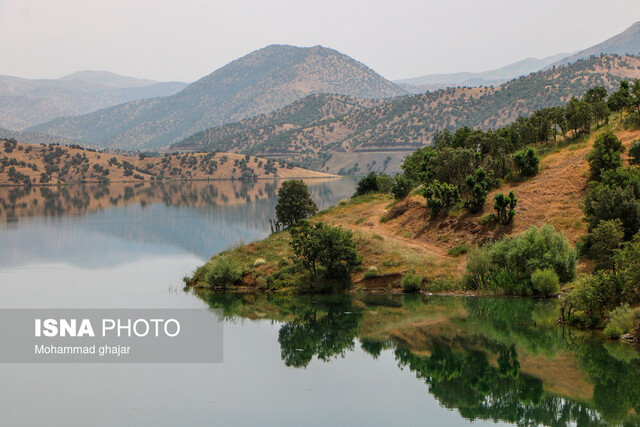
(321, 360)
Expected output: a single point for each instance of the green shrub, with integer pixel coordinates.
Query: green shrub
(321, 245)
(222, 271)
(634, 153)
(606, 155)
(458, 250)
(367, 185)
(526, 162)
(372, 272)
(401, 187)
(441, 197)
(509, 263)
(601, 243)
(621, 321)
(478, 188)
(411, 282)
(545, 282)
(505, 207)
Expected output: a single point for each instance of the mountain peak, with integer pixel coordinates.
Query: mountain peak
(107, 78)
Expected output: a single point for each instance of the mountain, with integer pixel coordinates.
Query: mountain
(26, 102)
(257, 83)
(485, 78)
(106, 78)
(376, 138)
(625, 43)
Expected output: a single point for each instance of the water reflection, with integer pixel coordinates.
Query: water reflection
(93, 225)
(489, 359)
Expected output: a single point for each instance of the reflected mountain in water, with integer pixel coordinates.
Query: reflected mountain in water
(76, 223)
(490, 359)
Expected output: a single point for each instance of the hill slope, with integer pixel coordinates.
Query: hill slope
(259, 82)
(625, 43)
(25, 102)
(22, 164)
(484, 78)
(409, 122)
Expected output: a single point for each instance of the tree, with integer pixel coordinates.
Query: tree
(603, 203)
(416, 166)
(621, 99)
(323, 245)
(603, 241)
(294, 202)
(367, 185)
(401, 187)
(596, 98)
(505, 207)
(634, 153)
(578, 115)
(440, 197)
(478, 187)
(606, 155)
(527, 162)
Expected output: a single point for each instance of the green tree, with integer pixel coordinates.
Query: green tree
(505, 207)
(478, 188)
(601, 243)
(401, 187)
(578, 115)
(367, 185)
(441, 197)
(605, 155)
(323, 245)
(603, 203)
(596, 98)
(621, 99)
(526, 162)
(294, 202)
(634, 153)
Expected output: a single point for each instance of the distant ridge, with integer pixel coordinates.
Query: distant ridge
(625, 43)
(257, 83)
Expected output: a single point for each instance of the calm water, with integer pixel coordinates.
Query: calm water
(369, 360)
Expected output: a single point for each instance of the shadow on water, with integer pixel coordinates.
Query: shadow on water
(488, 358)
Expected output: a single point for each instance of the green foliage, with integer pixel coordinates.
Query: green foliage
(505, 207)
(604, 202)
(621, 321)
(294, 202)
(458, 250)
(401, 187)
(601, 243)
(323, 245)
(634, 153)
(579, 116)
(368, 185)
(545, 282)
(416, 166)
(606, 155)
(411, 282)
(478, 188)
(441, 197)
(526, 162)
(222, 271)
(509, 263)
(385, 183)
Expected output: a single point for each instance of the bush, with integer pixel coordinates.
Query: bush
(401, 187)
(441, 197)
(634, 153)
(509, 263)
(621, 321)
(602, 242)
(526, 162)
(458, 250)
(294, 202)
(367, 185)
(606, 155)
(222, 271)
(323, 245)
(478, 187)
(411, 282)
(604, 203)
(545, 282)
(259, 261)
(505, 207)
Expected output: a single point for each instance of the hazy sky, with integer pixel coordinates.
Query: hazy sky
(187, 39)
